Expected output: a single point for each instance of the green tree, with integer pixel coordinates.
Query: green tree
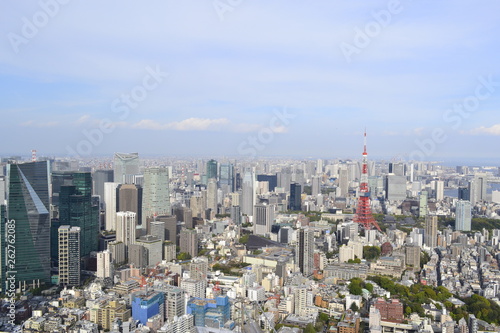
(183, 256)
(354, 307)
(369, 287)
(371, 252)
(310, 329)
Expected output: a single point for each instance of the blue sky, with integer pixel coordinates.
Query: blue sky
(233, 64)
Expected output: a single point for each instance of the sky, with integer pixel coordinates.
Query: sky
(251, 78)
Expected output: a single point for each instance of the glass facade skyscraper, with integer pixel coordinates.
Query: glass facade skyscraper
(29, 205)
(77, 209)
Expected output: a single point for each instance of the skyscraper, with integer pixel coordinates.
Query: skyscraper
(125, 165)
(69, 255)
(189, 242)
(110, 204)
(76, 208)
(295, 197)
(156, 193)
(264, 217)
(104, 264)
(463, 215)
(247, 195)
(226, 177)
(212, 194)
(99, 178)
(212, 169)
(305, 251)
(315, 186)
(431, 225)
(3, 248)
(125, 228)
(29, 205)
(130, 200)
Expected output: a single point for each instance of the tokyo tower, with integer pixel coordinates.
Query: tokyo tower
(363, 211)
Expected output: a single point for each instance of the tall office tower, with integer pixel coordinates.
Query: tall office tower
(125, 165)
(184, 214)
(464, 193)
(295, 197)
(463, 215)
(397, 168)
(344, 181)
(305, 251)
(236, 214)
(264, 218)
(69, 255)
(154, 247)
(431, 226)
(395, 187)
(110, 205)
(423, 206)
(247, 195)
(477, 188)
(157, 229)
(137, 255)
(315, 186)
(156, 193)
(439, 190)
(319, 167)
(212, 194)
(77, 209)
(58, 179)
(3, 247)
(271, 179)
(363, 210)
(100, 177)
(211, 169)
(130, 200)
(126, 228)
(189, 242)
(226, 177)
(170, 227)
(2, 190)
(284, 178)
(104, 265)
(29, 205)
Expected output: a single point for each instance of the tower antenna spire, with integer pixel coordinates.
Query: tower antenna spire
(364, 214)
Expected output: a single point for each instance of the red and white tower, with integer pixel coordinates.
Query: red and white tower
(363, 211)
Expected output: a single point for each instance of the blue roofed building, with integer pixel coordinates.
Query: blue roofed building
(146, 305)
(211, 312)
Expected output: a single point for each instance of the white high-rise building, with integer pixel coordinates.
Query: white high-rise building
(156, 193)
(104, 264)
(110, 204)
(439, 190)
(247, 196)
(212, 194)
(194, 288)
(126, 228)
(463, 215)
(69, 255)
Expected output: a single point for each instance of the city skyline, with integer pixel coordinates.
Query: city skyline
(307, 79)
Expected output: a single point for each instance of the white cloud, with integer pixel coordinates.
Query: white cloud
(190, 124)
(493, 130)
